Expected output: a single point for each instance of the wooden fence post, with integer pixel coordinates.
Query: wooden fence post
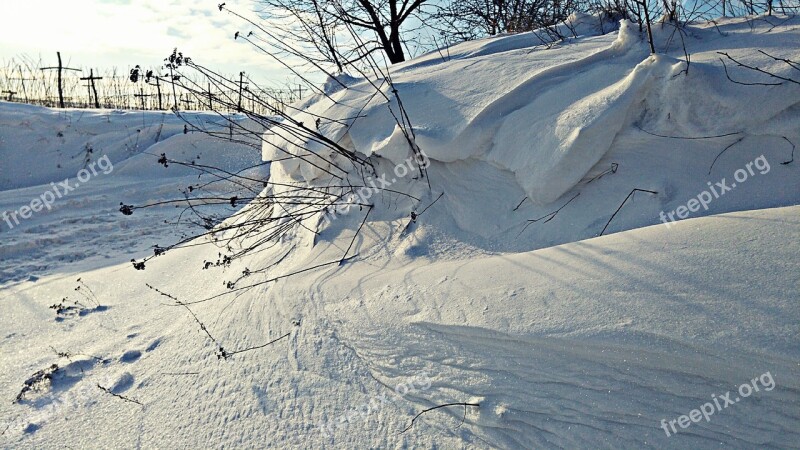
(141, 96)
(91, 87)
(241, 85)
(60, 68)
(158, 87)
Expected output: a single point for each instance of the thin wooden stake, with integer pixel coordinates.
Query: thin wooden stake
(60, 69)
(91, 87)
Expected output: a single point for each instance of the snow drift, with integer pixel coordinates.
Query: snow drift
(501, 122)
(499, 293)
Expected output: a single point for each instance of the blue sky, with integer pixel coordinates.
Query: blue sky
(122, 33)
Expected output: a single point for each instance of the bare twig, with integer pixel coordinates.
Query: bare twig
(415, 215)
(431, 204)
(613, 169)
(194, 316)
(723, 151)
(688, 137)
(756, 69)
(793, 64)
(549, 216)
(633, 191)
(229, 354)
(793, 147)
(250, 286)
(121, 397)
(465, 405)
(344, 257)
(520, 203)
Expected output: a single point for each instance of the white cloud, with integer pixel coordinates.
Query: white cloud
(123, 33)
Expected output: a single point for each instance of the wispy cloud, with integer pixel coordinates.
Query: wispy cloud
(122, 33)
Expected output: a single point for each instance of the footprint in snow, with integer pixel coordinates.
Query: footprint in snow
(153, 345)
(130, 356)
(124, 383)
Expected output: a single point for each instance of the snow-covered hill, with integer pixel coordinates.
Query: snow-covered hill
(500, 299)
(505, 119)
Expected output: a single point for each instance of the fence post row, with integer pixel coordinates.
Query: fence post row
(23, 86)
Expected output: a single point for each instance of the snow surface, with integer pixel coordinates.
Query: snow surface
(564, 338)
(39, 146)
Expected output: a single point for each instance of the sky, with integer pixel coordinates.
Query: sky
(123, 33)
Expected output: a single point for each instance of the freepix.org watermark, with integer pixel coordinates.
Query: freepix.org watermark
(715, 191)
(420, 382)
(719, 403)
(412, 165)
(57, 191)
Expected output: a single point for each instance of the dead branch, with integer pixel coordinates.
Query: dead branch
(687, 137)
(344, 257)
(549, 216)
(756, 69)
(229, 354)
(221, 351)
(633, 191)
(520, 203)
(613, 169)
(723, 151)
(121, 397)
(465, 405)
(793, 147)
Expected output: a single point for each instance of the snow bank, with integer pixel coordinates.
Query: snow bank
(646, 323)
(65, 141)
(88, 162)
(547, 120)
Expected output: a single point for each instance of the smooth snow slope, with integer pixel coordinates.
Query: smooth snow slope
(588, 344)
(563, 339)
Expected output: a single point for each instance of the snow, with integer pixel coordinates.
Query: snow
(40, 146)
(563, 337)
(565, 106)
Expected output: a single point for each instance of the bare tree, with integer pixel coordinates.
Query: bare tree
(468, 19)
(646, 10)
(317, 24)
